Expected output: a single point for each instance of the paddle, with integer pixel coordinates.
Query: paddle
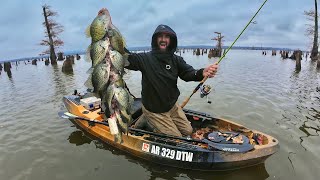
(223, 147)
(224, 54)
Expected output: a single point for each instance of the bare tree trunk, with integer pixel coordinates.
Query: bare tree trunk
(314, 52)
(53, 56)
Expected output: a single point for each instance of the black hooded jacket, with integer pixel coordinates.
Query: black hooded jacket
(160, 72)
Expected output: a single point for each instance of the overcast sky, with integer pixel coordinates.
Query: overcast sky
(280, 23)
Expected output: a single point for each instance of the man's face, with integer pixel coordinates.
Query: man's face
(163, 41)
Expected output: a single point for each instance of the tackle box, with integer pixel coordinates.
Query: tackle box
(91, 103)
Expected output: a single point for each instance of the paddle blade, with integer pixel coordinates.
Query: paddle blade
(66, 115)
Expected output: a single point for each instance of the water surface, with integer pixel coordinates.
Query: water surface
(261, 92)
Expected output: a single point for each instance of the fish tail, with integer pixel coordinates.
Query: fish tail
(88, 82)
(88, 56)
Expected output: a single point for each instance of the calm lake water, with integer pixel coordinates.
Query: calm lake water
(261, 92)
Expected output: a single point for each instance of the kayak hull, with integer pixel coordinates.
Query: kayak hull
(173, 152)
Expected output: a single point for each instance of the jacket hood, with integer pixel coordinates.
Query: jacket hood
(173, 38)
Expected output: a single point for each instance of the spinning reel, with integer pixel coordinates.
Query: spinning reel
(204, 91)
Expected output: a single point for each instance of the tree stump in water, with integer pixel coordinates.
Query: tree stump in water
(296, 54)
(78, 57)
(7, 66)
(34, 62)
(53, 61)
(46, 62)
(9, 73)
(198, 52)
(210, 54)
(72, 59)
(318, 63)
(1, 67)
(67, 65)
(298, 60)
(60, 56)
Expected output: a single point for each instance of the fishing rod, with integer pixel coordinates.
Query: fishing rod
(224, 54)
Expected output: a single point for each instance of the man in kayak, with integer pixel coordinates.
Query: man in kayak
(160, 70)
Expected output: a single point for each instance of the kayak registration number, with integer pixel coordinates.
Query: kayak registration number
(167, 152)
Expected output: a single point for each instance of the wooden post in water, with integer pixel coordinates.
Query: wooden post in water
(298, 60)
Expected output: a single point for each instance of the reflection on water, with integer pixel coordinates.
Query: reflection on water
(260, 92)
(78, 138)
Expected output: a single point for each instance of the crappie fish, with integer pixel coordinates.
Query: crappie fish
(122, 124)
(116, 39)
(122, 96)
(109, 94)
(118, 61)
(98, 51)
(100, 77)
(124, 103)
(115, 77)
(99, 26)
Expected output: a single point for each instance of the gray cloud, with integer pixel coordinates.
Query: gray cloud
(280, 23)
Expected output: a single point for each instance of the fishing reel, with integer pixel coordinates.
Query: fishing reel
(204, 91)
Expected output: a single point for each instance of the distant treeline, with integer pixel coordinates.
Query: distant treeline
(146, 48)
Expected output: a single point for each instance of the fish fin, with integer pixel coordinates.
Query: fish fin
(122, 126)
(88, 82)
(125, 116)
(90, 90)
(110, 32)
(123, 41)
(87, 32)
(125, 59)
(87, 56)
(90, 70)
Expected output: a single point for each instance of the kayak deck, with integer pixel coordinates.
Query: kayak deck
(184, 153)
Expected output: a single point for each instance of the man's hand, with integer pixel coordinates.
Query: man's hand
(210, 70)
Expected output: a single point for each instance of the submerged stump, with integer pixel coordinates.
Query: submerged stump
(60, 56)
(198, 52)
(67, 66)
(46, 62)
(318, 63)
(296, 54)
(34, 62)
(7, 66)
(298, 57)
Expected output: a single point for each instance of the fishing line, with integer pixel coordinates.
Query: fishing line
(224, 54)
